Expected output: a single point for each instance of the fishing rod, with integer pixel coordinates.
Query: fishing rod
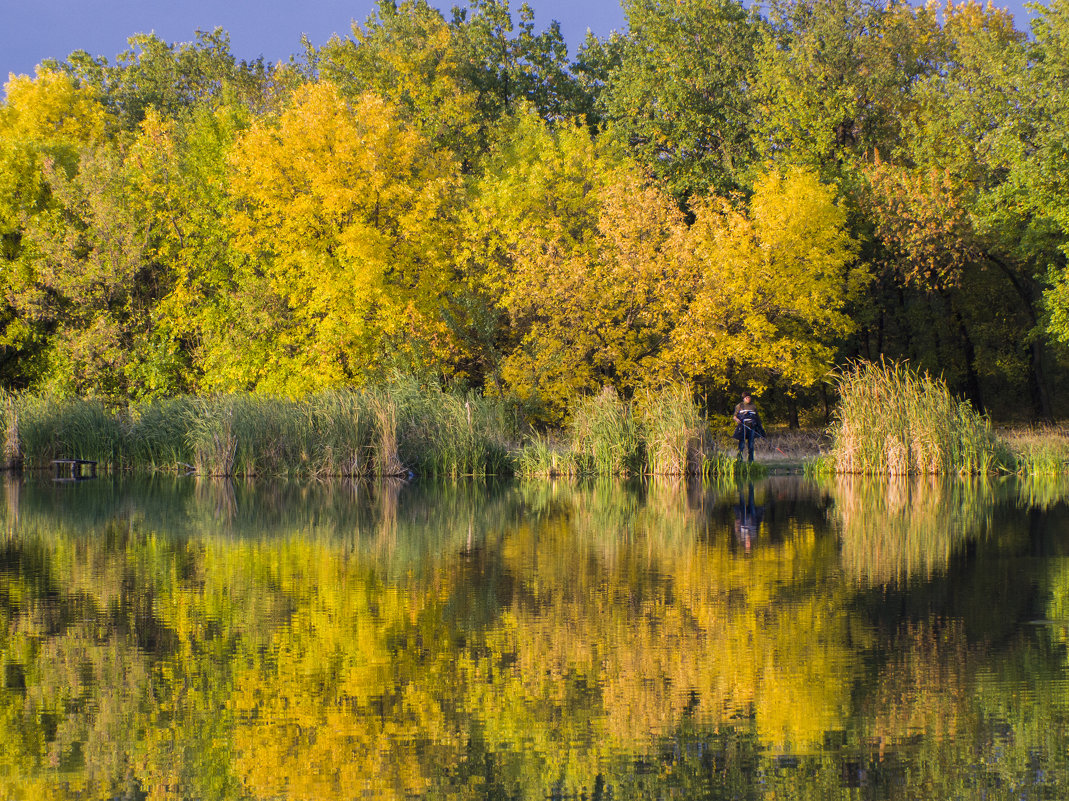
(746, 426)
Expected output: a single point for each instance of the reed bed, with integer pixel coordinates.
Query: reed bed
(158, 434)
(605, 436)
(387, 431)
(12, 456)
(453, 434)
(546, 456)
(892, 420)
(724, 464)
(673, 430)
(67, 428)
(661, 433)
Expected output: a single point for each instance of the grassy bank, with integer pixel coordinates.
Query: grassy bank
(890, 421)
(385, 431)
(1038, 450)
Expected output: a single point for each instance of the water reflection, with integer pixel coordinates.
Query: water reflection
(184, 639)
(905, 526)
(748, 516)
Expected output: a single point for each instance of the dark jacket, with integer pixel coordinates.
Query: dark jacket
(747, 413)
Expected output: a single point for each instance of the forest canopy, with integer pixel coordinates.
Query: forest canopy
(719, 196)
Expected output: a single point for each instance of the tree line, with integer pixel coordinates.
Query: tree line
(718, 196)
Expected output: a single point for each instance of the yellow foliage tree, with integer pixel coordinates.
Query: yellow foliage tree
(46, 117)
(771, 284)
(585, 259)
(342, 215)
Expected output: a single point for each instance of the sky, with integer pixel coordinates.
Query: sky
(34, 30)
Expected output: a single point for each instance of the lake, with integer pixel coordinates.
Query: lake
(782, 639)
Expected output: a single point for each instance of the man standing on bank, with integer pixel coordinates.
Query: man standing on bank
(747, 424)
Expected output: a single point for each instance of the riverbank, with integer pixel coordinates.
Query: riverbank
(403, 429)
(408, 430)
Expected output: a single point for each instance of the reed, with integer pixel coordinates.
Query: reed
(50, 428)
(12, 457)
(726, 465)
(452, 434)
(663, 433)
(340, 435)
(330, 433)
(213, 439)
(158, 435)
(818, 466)
(606, 437)
(546, 457)
(384, 431)
(892, 420)
(673, 432)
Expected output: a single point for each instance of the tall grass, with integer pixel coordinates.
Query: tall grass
(892, 420)
(661, 433)
(12, 456)
(673, 431)
(340, 437)
(452, 434)
(158, 434)
(544, 455)
(386, 431)
(605, 436)
(68, 428)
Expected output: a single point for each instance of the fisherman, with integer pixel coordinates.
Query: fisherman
(747, 424)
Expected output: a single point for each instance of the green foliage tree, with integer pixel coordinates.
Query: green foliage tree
(170, 78)
(409, 55)
(677, 95)
(951, 215)
(179, 177)
(834, 79)
(510, 64)
(1045, 175)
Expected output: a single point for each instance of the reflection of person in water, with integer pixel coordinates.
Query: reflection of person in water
(748, 517)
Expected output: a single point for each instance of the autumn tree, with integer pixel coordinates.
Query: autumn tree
(581, 256)
(771, 282)
(343, 217)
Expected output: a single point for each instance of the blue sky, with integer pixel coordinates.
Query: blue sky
(33, 30)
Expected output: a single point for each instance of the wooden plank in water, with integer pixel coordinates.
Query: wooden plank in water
(74, 469)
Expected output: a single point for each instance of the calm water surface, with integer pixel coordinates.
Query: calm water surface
(781, 640)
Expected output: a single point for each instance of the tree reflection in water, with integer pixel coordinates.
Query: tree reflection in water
(216, 640)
